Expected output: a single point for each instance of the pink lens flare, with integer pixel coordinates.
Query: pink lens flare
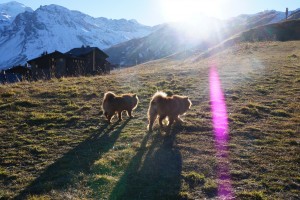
(220, 128)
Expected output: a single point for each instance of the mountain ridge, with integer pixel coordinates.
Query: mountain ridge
(8, 12)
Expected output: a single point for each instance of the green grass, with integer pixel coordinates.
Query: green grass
(210, 188)
(55, 143)
(251, 195)
(193, 178)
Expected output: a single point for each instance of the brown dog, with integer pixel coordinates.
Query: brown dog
(163, 106)
(117, 103)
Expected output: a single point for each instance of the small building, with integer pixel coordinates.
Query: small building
(96, 62)
(15, 74)
(48, 65)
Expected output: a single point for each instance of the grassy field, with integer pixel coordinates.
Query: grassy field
(55, 143)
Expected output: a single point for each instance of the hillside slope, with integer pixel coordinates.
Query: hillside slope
(294, 15)
(283, 31)
(56, 145)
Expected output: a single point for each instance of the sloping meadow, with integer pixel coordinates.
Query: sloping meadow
(56, 144)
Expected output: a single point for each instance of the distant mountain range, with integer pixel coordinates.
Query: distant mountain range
(174, 38)
(27, 33)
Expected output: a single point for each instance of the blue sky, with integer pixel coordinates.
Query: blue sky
(152, 12)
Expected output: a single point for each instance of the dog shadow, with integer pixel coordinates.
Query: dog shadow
(66, 170)
(154, 172)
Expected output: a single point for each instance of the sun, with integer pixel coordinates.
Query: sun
(189, 10)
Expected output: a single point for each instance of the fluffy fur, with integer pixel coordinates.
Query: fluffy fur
(113, 103)
(163, 106)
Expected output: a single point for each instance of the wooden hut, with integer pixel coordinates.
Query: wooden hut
(15, 74)
(96, 62)
(48, 65)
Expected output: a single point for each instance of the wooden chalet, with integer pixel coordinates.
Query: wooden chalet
(95, 59)
(15, 74)
(76, 62)
(48, 65)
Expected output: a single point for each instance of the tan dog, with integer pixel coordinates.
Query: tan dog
(163, 106)
(117, 103)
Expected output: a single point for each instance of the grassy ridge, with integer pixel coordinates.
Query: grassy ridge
(56, 145)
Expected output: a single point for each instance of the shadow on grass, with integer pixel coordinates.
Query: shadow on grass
(153, 173)
(65, 171)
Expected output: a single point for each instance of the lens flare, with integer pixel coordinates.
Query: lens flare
(220, 128)
(190, 10)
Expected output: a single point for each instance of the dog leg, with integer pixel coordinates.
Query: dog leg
(178, 119)
(108, 116)
(171, 121)
(129, 113)
(161, 118)
(105, 114)
(151, 122)
(120, 115)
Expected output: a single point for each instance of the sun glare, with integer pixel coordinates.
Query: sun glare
(189, 10)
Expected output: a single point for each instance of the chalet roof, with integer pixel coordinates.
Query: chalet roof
(55, 54)
(82, 51)
(77, 53)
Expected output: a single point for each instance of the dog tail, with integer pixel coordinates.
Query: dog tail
(137, 101)
(108, 97)
(153, 111)
(158, 96)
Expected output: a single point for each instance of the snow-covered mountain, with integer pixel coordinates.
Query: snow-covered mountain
(244, 22)
(168, 39)
(8, 12)
(295, 14)
(53, 27)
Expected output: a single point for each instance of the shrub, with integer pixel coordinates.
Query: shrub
(280, 113)
(210, 188)
(255, 195)
(193, 178)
